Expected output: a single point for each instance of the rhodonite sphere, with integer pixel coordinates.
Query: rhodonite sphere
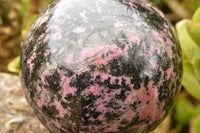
(101, 66)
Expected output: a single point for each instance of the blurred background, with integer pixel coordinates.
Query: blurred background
(16, 16)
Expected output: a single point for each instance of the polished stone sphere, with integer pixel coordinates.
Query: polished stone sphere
(97, 66)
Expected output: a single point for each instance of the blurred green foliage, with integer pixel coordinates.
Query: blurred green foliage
(15, 18)
(188, 5)
(189, 36)
(157, 2)
(14, 65)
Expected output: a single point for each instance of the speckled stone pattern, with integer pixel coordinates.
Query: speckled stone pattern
(100, 66)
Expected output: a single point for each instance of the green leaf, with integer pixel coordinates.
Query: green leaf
(183, 111)
(190, 82)
(197, 110)
(196, 16)
(189, 46)
(157, 2)
(13, 66)
(184, 56)
(194, 31)
(195, 4)
(197, 68)
(197, 124)
(24, 8)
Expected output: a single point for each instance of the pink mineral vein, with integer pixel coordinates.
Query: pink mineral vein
(135, 39)
(169, 72)
(153, 63)
(43, 76)
(41, 101)
(31, 65)
(79, 30)
(62, 111)
(47, 52)
(67, 88)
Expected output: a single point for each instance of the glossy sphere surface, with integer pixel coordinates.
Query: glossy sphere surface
(101, 66)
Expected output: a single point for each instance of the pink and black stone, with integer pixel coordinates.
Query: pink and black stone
(101, 66)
